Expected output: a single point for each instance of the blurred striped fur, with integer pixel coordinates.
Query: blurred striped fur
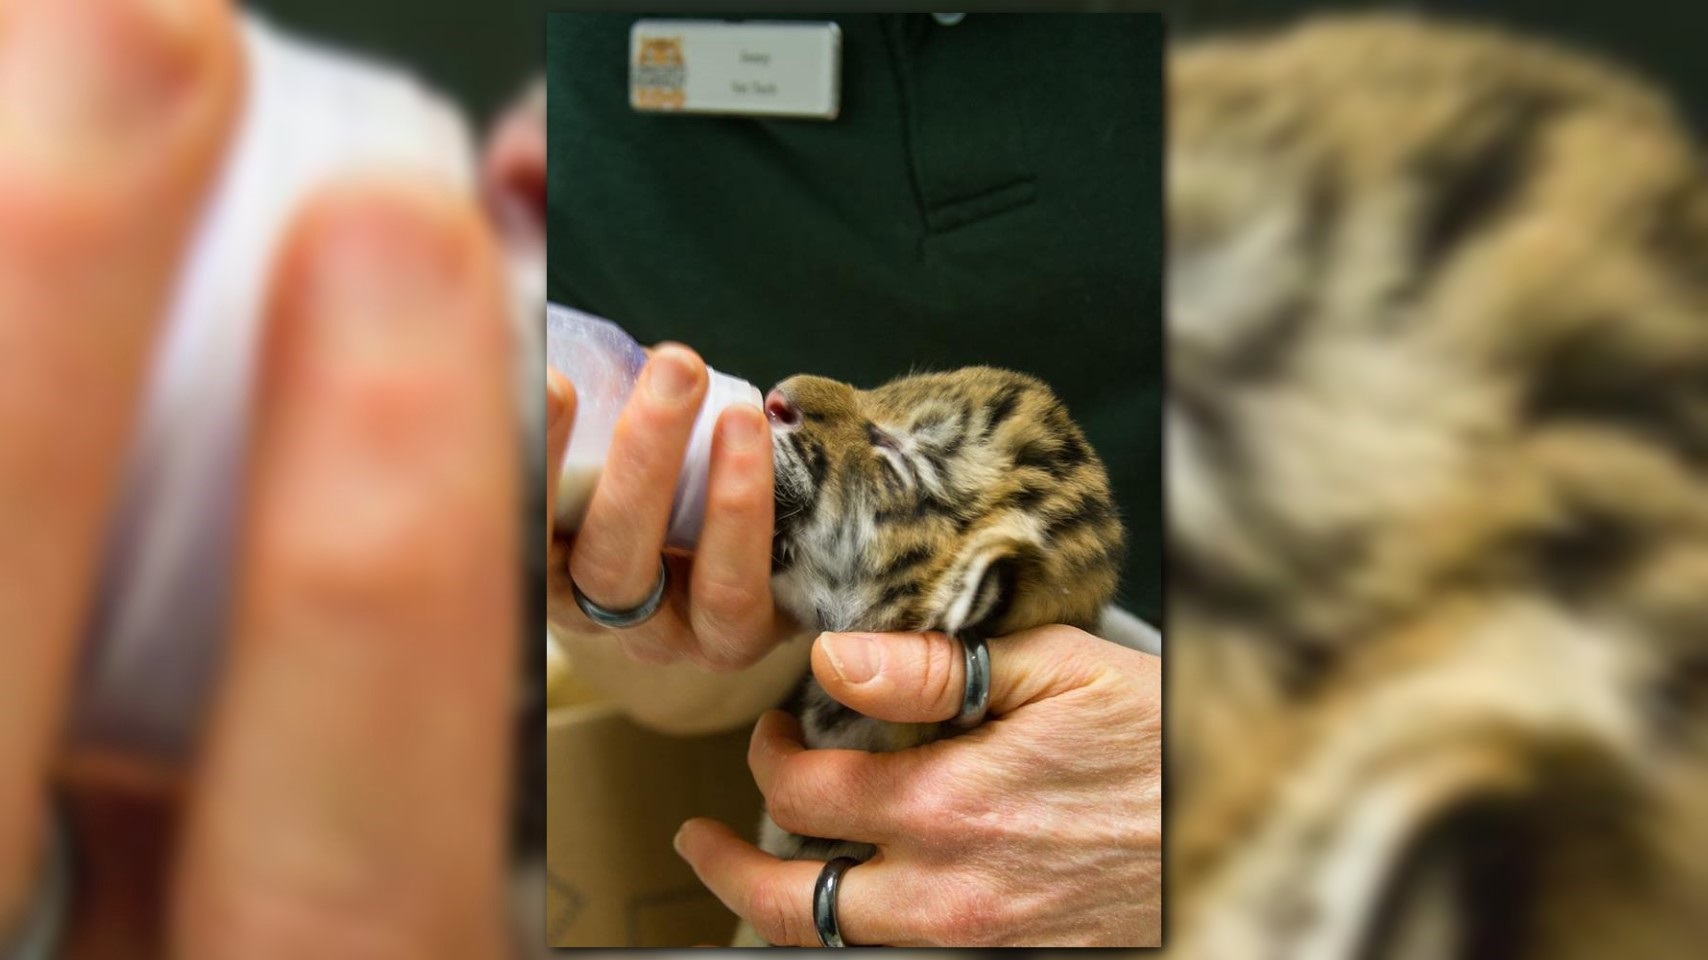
(1438, 472)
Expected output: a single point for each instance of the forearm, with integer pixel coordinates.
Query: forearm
(681, 698)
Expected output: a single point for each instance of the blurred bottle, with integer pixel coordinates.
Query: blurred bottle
(310, 115)
(603, 362)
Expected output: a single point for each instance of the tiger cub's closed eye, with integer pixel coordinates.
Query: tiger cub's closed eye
(889, 453)
(881, 438)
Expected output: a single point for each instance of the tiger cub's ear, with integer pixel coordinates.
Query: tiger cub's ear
(979, 587)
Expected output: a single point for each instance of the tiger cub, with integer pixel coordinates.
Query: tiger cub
(1438, 483)
(966, 502)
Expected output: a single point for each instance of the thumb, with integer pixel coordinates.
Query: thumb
(560, 416)
(922, 677)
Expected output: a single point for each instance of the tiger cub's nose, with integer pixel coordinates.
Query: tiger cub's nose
(780, 410)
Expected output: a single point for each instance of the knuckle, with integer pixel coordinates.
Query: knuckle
(728, 601)
(655, 419)
(164, 96)
(941, 681)
(361, 208)
(787, 803)
(930, 810)
(1063, 646)
(381, 551)
(946, 812)
(393, 412)
(439, 229)
(776, 916)
(804, 786)
(739, 498)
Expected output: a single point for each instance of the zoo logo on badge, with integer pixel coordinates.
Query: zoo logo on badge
(658, 77)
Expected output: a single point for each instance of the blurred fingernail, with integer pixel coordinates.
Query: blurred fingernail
(676, 841)
(855, 657)
(83, 76)
(743, 428)
(671, 377)
(387, 264)
(555, 400)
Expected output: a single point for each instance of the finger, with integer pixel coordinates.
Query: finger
(731, 593)
(666, 639)
(826, 793)
(112, 119)
(560, 416)
(351, 796)
(616, 551)
(922, 677)
(776, 895)
(661, 641)
(514, 170)
(615, 557)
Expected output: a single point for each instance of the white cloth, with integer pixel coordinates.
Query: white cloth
(1129, 631)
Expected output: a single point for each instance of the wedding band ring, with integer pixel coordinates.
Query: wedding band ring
(975, 701)
(624, 619)
(824, 894)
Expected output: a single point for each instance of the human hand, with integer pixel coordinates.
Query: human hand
(718, 612)
(349, 796)
(1043, 827)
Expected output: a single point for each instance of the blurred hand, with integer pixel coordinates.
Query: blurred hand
(349, 795)
(1043, 827)
(718, 614)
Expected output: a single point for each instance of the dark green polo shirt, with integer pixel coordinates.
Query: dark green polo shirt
(990, 194)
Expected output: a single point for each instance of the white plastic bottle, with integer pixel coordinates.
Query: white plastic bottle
(603, 362)
(160, 624)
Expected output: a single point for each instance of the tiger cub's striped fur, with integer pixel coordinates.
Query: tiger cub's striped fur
(1438, 501)
(967, 502)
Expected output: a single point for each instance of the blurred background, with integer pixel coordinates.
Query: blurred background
(480, 53)
(1584, 843)
(1661, 38)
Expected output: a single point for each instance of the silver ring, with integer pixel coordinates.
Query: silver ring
(824, 894)
(975, 701)
(624, 619)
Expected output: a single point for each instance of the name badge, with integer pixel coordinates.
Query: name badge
(749, 69)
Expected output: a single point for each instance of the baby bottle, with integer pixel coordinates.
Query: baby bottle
(603, 362)
(162, 605)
